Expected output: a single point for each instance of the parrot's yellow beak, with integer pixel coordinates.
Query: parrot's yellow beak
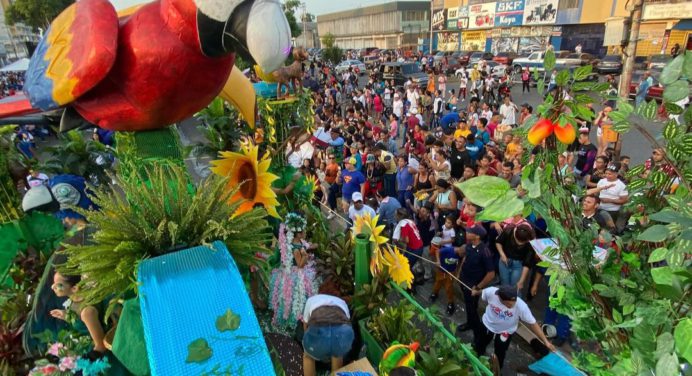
(239, 92)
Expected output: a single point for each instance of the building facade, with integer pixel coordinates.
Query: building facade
(16, 41)
(525, 26)
(392, 25)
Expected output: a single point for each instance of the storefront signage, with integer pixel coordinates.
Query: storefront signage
(473, 41)
(482, 16)
(540, 12)
(463, 17)
(463, 11)
(509, 13)
(438, 19)
(463, 23)
(663, 11)
(452, 16)
(448, 41)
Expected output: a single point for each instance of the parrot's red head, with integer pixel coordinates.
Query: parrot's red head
(257, 29)
(414, 346)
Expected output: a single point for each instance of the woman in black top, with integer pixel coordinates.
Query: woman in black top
(517, 256)
(597, 173)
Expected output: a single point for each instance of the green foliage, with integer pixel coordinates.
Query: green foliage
(634, 307)
(335, 260)
(372, 297)
(494, 194)
(151, 219)
(549, 60)
(395, 323)
(198, 351)
(229, 321)
(78, 156)
(332, 54)
(222, 128)
(328, 40)
(35, 13)
(431, 364)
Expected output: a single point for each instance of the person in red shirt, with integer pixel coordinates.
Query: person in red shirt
(407, 236)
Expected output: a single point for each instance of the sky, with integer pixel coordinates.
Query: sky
(315, 7)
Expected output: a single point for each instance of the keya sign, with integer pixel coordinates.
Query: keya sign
(509, 13)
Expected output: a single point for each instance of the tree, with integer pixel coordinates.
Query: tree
(296, 30)
(35, 13)
(331, 52)
(307, 17)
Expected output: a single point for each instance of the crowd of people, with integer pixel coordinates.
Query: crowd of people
(398, 152)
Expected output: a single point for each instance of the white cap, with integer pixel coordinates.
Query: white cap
(356, 196)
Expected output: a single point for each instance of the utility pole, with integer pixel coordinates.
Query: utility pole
(305, 16)
(630, 51)
(431, 27)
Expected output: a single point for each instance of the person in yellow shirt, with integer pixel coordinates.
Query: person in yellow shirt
(430, 89)
(514, 149)
(463, 130)
(389, 162)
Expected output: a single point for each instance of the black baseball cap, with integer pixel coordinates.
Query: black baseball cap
(507, 292)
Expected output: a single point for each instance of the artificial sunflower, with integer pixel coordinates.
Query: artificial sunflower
(244, 170)
(398, 267)
(368, 226)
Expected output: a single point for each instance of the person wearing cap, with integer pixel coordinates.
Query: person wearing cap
(613, 194)
(374, 177)
(389, 162)
(501, 319)
(352, 181)
(477, 272)
(447, 261)
(358, 208)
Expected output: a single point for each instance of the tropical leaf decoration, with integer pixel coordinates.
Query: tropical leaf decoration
(79, 156)
(166, 214)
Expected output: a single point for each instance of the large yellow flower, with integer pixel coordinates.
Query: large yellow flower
(250, 176)
(368, 226)
(398, 266)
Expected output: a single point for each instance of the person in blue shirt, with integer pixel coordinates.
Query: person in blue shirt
(352, 181)
(474, 147)
(477, 272)
(449, 121)
(386, 208)
(481, 133)
(447, 262)
(404, 182)
(337, 144)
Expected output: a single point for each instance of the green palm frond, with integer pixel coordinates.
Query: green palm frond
(158, 212)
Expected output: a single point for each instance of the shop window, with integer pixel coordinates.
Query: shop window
(568, 4)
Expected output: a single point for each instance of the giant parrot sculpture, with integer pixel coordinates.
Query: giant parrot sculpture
(153, 65)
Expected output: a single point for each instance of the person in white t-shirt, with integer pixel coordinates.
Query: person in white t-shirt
(412, 96)
(613, 194)
(501, 320)
(508, 110)
(358, 208)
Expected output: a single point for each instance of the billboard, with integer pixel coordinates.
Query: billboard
(452, 16)
(509, 13)
(481, 16)
(438, 19)
(448, 41)
(463, 17)
(540, 12)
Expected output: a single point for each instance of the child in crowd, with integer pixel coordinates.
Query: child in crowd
(447, 262)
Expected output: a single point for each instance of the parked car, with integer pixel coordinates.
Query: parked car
(658, 62)
(655, 91)
(535, 60)
(366, 51)
(610, 64)
(641, 62)
(402, 72)
(344, 65)
(577, 59)
(438, 56)
(505, 57)
(371, 60)
(464, 57)
(478, 56)
(497, 70)
(453, 62)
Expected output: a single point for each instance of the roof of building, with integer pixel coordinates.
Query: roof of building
(375, 9)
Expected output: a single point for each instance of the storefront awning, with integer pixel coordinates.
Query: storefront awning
(683, 25)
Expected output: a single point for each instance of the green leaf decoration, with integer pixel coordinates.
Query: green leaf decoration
(672, 71)
(655, 233)
(582, 73)
(650, 110)
(671, 130)
(229, 321)
(670, 216)
(198, 351)
(668, 365)
(665, 344)
(601, 86)
(562, 77)
(672, 108)
(532, 186)
(659, 254)
(676, 91)
(549, 60)
(686, 143)
(683, 336)
(540, 86)
(502, 208)
(483, 190)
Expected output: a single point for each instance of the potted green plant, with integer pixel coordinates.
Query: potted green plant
(393, 323)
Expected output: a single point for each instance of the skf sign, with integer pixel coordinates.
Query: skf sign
(509, 13)
(510, 6)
